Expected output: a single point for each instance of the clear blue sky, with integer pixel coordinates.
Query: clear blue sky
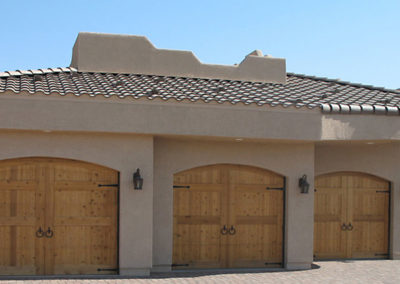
(357, 41)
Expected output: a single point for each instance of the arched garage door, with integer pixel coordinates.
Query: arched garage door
(351, 216)
(228, 216)
(56, 217)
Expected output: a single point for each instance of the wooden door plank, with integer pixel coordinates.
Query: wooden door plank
(18, 221)
(49, 219)
(254, 220)
(329, 216)
(40, 218)
(370, 218)
(198, 218)
(225, 199)
(257, 216)
(83, 221)
(84, 218)
(366, 200)
(19, 217)
(84, 186)
(15, 185)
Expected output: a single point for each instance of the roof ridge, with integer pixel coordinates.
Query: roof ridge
(338, 81)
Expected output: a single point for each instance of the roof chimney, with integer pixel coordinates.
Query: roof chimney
(110, 53)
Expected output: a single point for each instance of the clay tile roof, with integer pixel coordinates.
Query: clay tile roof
(331, 96)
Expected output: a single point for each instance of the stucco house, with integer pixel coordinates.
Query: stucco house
(137, 159)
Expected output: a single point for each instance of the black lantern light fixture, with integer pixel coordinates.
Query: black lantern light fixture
(137, 180)
(303, 184)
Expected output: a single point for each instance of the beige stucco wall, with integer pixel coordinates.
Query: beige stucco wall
(115, 115)
(198, 134)
(380, 159)
(123, 153)
(291, 160)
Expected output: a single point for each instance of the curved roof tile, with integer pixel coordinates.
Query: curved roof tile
(332, 96)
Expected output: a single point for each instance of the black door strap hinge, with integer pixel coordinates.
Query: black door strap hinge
(107, 269)
(273, 263)
(181, 186)
(108, 185)
(275, 188)
(179, 264)
(382, 191)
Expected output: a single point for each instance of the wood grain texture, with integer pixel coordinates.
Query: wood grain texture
(351, 198)
(82, 216)
(20, 210)
(231, 196)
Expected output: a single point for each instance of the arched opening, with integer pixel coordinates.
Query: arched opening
(59, 216)
(351, 216)
(228, 216)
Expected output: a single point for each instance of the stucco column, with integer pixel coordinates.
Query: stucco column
(395, 226)
(299, 220)
(395, 208)
(136, 212)
(395, 205)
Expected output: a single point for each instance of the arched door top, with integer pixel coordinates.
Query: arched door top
(42, 159)
(351, 216)
(228, 216)
(58, 216)
(256, 168)
(352, 173)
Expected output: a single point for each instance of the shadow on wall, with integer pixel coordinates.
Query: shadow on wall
(163, 275)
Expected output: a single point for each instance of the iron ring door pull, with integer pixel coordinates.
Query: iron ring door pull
(232, 231)
(350, 227)
(344, 227)
(224, 230)
(49, 233)
(39, 233)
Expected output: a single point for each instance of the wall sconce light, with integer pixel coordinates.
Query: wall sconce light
(137, 180)
(303, 184)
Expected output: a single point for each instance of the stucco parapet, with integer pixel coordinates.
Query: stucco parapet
(97, 52)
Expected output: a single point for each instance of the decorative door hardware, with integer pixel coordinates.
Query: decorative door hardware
(350, 227)
(49, 233)
(107, 269)
(275, 188)
(39, 233)
(273, 263)
(108, 185)
(182, 186)
(225, 230)
(179, 264)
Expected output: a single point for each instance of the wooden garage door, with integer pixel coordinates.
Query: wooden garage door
(56, 219)
(351, 216)
(224, 216)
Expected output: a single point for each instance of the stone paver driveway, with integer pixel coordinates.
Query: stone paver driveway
(366, 272)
